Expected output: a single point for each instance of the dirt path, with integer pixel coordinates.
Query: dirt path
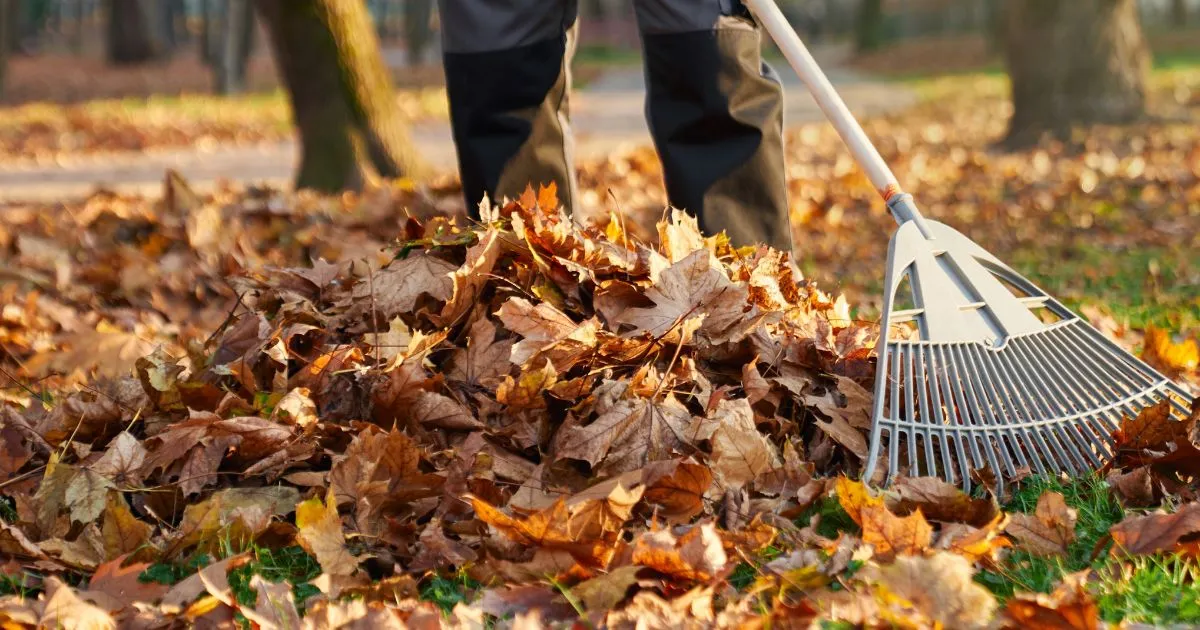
(608, 116)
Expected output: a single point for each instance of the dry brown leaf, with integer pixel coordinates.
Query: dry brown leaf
(695, 286)
(120, 585)
(941, 587)
(65, 609)
(891, 535)
(677, 489)
(940, 501)
(1069, 607)
(122, 461)
(320, 533)
(1134, 488)
(740, 453)
(1049, 530)
(632, 433)
(398, 287)
(1155, 533)
(274, 608)
(121, 531)
(695, 556)
(1153, 428)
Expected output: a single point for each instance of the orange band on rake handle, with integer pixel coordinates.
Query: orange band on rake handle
(891, 191)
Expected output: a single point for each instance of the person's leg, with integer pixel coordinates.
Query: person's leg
(715, 110)
(508, 82)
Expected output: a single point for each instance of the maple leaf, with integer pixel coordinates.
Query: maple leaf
(121, 532)
(739, 452)
(941, 501)
(232, 513)
(1154, 428)
(627, 436)
(975, 543)
(436, 550)
(1134, 488)
(694, 287)
(119, 586)
(676, 488)
(274, 608)
(1164, 353)
(695, 556)
(547, 334)
(1069, 607)
(1049, 530)
(891, 535)
(585, 525)
(122, 461)
(470, 279)
(65, 609)
(485, 361)
(1154, 533)
(854, 498)
(435, 410)
(397, 288)
(940, 586)
(321, 535)
(380, 471)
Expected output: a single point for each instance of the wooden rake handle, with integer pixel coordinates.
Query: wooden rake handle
(827, 98)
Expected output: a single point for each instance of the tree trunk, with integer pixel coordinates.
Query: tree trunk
(229, 69)
(1073, 62)
(6, 14)
(869, 26)
(342, 97)
(417, 33)
(130, 38)
(1179, 13)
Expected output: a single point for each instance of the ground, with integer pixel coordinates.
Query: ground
(239, 405)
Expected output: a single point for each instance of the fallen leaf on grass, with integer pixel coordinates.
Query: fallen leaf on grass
(1070, 607)
(939, 586)
(891, 535)
(1049, 530)
(1161, 351)
(1154, 533)
(941, 501)
(273, 609)
(320, 534)
(120, 586)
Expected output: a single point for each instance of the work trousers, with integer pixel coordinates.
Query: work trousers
(714, 108)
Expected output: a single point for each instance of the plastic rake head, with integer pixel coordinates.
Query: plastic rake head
(997, 374)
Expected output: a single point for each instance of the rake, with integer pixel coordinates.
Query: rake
(993, 373)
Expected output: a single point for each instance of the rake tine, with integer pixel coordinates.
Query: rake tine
(1032, 444)
(926, 411)
(909, 384)
(1056, 455)
(1114, 386)
(939, 413)
(1009, 441)
(1068, 399)
(894, 445)
(1135, 395)
(972, 424)
(1056, 403)
(958, 422)
(983, 413)
(1083, 387)
(1153, 379)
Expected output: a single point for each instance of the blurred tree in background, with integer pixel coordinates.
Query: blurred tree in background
(869, 28)
(1073, 62)
(342, 96)
(135, 33)
(6, 16)
(417, 30)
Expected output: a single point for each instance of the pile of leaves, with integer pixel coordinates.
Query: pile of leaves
(291, 410)
(565, 421)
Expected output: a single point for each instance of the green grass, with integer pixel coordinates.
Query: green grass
(1148, 286)
(1097, 511)
(292, 564)
(448, 592)
(1150, 590)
